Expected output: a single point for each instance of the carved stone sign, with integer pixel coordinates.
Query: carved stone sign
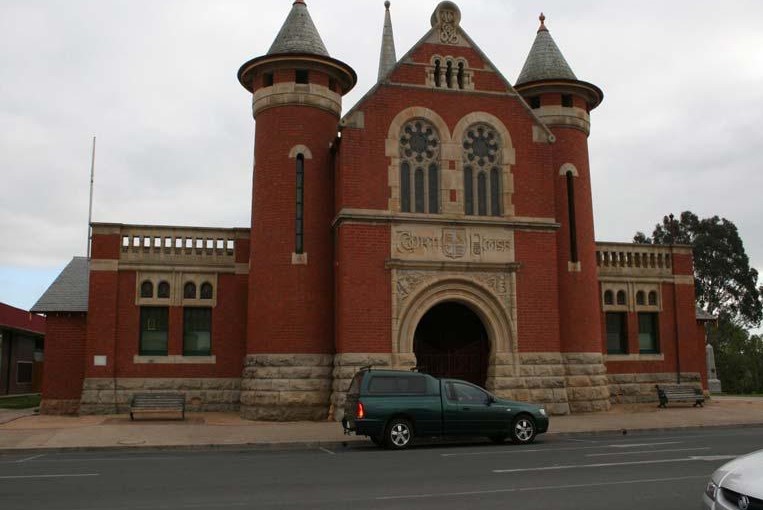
(465, 244)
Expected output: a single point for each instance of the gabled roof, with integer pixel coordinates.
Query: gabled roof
(433, 35)
(545, 61)
(298, 34)
(69, 292)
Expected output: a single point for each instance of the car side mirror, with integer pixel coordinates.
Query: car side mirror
(490, 400)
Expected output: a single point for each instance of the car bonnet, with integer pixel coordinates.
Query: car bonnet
(743, 475)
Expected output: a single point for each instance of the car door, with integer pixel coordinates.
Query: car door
(468, 410)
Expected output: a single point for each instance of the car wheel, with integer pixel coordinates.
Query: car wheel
(523, 430)
(498, 439)
(399, 434)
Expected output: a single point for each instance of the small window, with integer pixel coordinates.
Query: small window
(449, 74)
(206, 290)
(163, 290)
(153, 330)
(468, 191)
(147, 289)
(398, 384)
(460, 76)
(640, 298)
(648, 338)
(302, 76)
(197, 331)
(534, 102)
(267, 80)
(23, 372)
(332, 85)
(189, 290)
(621, 299)
(437, 73)
(567, 100)
(609, 298)
(653, 298)
(617, 333)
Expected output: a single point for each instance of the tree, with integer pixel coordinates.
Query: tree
(725, 284)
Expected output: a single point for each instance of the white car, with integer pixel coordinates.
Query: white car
(737, 485)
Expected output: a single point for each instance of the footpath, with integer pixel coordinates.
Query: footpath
(22, 431)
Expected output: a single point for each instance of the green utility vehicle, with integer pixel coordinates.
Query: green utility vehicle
(392, 407)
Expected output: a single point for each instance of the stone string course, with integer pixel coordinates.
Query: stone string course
(212, 394)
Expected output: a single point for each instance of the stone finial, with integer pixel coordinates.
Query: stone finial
(386, 5)
(542, 27)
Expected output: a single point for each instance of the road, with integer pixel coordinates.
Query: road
(666, 470)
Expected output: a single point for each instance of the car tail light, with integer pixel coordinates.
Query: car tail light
(360, 413)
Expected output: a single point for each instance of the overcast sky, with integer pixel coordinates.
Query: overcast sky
(155, 81)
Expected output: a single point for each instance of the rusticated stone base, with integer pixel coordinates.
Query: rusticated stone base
(59, 406)
(286, 387)
(586, 381)
(346, 366)
(639, 388)
(529, 377)
(201, 394)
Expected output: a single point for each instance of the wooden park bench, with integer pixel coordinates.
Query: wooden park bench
(157, 403)
(679, 393)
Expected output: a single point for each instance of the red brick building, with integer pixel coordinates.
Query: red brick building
(445, 221)
(22, 335)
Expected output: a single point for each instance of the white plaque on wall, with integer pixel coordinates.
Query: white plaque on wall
(99, 361)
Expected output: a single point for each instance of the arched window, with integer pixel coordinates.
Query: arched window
(621, 300)
(608, 298)
(482, 172)
(163, 291)
(146, 289)
(206, 290)
(640, 298)
(189, 290)
(419, 168)
(653, 298)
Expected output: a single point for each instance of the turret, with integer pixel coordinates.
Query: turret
(297, 99)
(563, 103)
(387, 56)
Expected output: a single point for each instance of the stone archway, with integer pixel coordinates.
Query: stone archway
(451, 341)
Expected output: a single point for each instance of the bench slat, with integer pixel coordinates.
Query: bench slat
(157, 402)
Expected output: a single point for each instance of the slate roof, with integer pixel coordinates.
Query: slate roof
(298, 34)
(545, 61)
(69, 292)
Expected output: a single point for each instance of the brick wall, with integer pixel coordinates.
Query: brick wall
(64, 356)
(291, 305)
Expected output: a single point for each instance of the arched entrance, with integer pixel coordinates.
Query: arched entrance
(451, 341)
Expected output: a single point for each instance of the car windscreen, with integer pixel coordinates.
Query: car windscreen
(398, 384)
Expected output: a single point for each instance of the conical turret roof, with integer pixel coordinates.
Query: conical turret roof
(545, 61)
(298, 34)
(387, 58)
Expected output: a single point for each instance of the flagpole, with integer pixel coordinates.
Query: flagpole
(90, 209)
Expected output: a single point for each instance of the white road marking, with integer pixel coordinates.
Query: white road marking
(581, 440)
(47, 476)
(646, 451)
(552, 449)
(327, 451)
(635, 445)
(540, 488)
(31, 458)
(612, 464)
